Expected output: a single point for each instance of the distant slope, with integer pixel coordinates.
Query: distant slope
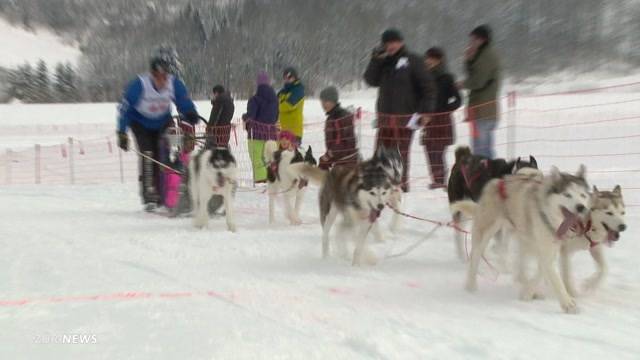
(19, 46)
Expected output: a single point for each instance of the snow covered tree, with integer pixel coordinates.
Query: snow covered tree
(42, 84)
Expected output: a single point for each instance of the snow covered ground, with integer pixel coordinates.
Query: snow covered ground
(83, 263)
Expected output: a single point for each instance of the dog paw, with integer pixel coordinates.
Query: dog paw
(528, 294)
(232, 227)
(471, 286)
(200, 223)
(572, 291)
(569, 306)
(591, 284)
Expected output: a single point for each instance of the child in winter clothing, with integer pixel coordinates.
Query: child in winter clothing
(339, 135)
(287, 140)
(260, 122)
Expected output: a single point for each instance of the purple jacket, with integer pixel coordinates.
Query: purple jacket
(262, 114)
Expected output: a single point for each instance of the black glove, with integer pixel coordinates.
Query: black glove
(192, 117)
(123, 140)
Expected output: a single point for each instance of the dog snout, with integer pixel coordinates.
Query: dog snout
(380, 206)
(622, 227)
(580, 208)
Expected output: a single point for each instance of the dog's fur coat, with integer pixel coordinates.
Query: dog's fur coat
(285, 177)
(212, 172)
(535, 209)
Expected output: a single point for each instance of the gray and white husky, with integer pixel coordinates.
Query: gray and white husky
(285, 178)
(359, 194)
(212, 172)
(539, 211)
(604, 226)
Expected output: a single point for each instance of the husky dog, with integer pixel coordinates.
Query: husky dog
(391, 162)
(358, 193)
(286, 179)
(604, 226)
(212, 172)
(538, 211)
(469, 175)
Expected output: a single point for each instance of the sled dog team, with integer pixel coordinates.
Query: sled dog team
(548, 216)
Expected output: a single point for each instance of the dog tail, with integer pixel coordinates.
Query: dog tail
(466, 207)
(270, 148)
(462, 152)
(313, 173)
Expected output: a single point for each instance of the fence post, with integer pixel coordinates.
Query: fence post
(72, 174)
(8, 167)
(511, 125)
(121, 165)
(37, 163)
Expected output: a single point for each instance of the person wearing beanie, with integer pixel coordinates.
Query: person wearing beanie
(339, 134)
(260, 123)
(291, 100)
(146, 110)
(482, 66)
(219, 126)
(439, 132)
(404, 88)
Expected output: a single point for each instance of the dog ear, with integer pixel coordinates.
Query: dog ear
(309, 150)
(594, 189)
(582, 171)
(379, 151)
(533, 162)
(617, 190)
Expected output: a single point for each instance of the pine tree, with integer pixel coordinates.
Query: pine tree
(58, 84)
(42, 84)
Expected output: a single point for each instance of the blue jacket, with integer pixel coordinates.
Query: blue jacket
(262, 114)
(143, 104)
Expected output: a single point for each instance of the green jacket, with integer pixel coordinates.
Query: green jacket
(483, 81)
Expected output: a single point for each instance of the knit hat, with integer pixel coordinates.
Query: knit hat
(287, 135)
(390, 35)
(263, 78)
(218, 89)
(329, 94)
(290, 71)
(483, 31)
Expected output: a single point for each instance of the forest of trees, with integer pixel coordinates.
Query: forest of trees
(329, 41)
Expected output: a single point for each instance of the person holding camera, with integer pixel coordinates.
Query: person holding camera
(405, 88)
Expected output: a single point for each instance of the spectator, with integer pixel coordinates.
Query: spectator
(405, 88)
(260, 120)
(219, 127)
(291, 98)
(439, 132)
(483, 82)
(339, 134)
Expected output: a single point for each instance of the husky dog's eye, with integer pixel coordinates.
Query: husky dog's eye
(568, 196)
(384, 193)
(622, 213)
(610, 213)
(583, 196)
(372, 193)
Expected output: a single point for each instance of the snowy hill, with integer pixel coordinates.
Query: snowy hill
(20, 46)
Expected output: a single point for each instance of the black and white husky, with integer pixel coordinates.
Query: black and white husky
(285, 178)
(212, 172)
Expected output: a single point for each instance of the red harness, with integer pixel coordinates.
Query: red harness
(502, 189)
(470, 180)
(583, 230)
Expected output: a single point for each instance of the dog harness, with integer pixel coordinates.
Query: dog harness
(465, 173)
(502, 189)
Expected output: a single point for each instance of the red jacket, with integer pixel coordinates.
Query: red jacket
(339, 133)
